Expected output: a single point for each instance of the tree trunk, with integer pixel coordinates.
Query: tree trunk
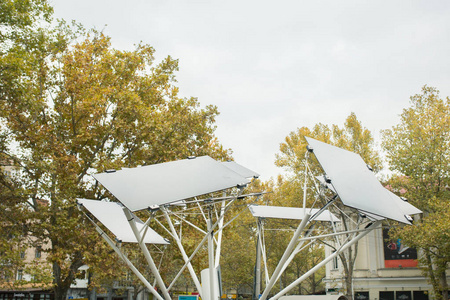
(431, 275)
(348, 274)
(348, 285)
(313, 284)
(444, 284)
(136, 290)
(62, 284)
(60, 289)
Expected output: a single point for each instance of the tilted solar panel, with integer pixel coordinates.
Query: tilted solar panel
(356, 185)
(112, 216)
(403, 204)
(241, 170)
(292, 213)
(153, 185)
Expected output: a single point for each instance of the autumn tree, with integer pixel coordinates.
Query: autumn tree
(238, 253)
(71, 105)
(353, 137)
(19, 40)
(418, 151)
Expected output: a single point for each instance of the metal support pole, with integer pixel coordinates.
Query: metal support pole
(183, 253)
(285, 256)
(305, 185)
(205, 238)
(146, 253)
(293, 254)
(257, 285)
(219, 237)
(326, 260)
(212, 280)
(129, 264)
(263, 250)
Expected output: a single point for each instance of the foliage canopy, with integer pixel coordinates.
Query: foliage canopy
(418, 149)
(72, 105)
(353, 137)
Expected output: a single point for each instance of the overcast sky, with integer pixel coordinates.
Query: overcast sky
(273, 66)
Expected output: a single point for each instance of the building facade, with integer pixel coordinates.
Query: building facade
(384, 270)
(23, 285)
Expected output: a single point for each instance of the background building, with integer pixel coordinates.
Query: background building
(384, 270)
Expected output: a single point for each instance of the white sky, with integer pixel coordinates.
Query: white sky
(274, 66)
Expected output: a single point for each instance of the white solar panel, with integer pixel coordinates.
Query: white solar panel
(406, 207)
(241, 170)
(355, 184)
(112, 216)
(143, 187)
(291, 213)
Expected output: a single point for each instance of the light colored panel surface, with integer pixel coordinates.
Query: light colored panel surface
(407, 208)
(241, 170)
(355, 184)
(292, 213)
(144, 187)
(112, 216)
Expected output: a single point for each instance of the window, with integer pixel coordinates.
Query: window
(335, 262)
(403, 295)
(20, 275)
(362, 296)
(387, 296)
(420, 295)
(22, 254)
(37, 253)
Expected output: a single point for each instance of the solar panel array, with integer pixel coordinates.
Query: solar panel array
(165, 183)
(357, 185)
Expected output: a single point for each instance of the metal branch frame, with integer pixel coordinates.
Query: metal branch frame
(296, 243)
(153, 186)
(124, 258)
(351, 166)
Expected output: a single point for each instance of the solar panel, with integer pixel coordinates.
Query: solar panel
(406, 207)
(291, 213)
(241, 170)
(153, 185)
(112, 216)
(355, 184)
